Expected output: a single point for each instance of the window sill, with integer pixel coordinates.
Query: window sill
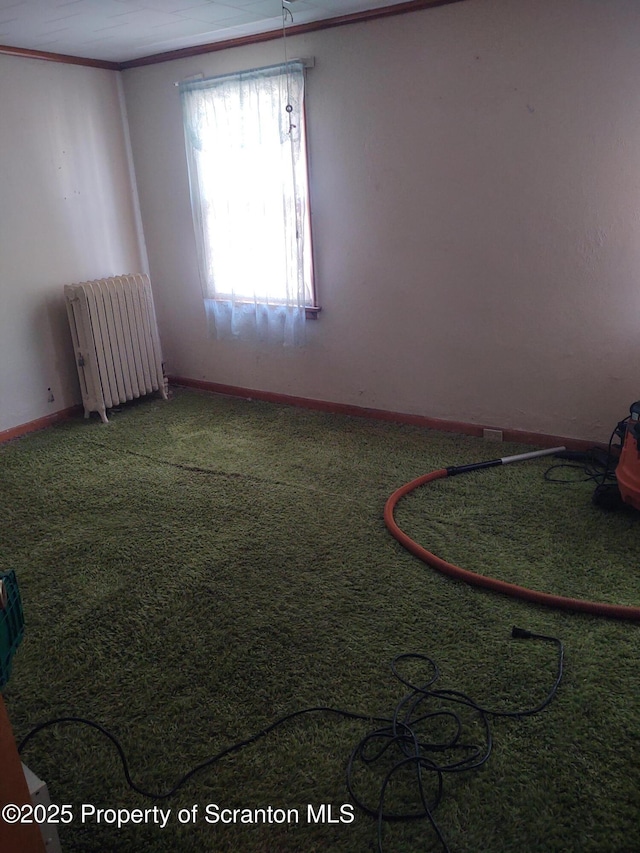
(311, 311)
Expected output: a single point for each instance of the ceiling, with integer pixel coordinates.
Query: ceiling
(124, 30)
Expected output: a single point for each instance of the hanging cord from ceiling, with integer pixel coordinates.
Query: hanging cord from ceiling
(287, 14)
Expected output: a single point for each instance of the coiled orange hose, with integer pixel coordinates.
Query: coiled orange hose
(596, 608)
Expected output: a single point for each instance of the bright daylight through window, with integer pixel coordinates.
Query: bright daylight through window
(246, 152)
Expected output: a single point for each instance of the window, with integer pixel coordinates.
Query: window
(246, 153)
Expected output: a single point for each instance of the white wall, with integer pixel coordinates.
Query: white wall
(476, 214)
(66, 214)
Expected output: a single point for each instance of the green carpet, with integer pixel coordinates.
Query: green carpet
(199, 567)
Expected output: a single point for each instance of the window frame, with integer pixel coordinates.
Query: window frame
(311, 304)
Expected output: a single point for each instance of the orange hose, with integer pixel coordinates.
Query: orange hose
(596, 608)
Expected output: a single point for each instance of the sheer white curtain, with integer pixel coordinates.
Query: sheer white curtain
(245, 142)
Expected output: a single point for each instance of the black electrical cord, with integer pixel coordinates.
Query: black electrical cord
(215, 758)
(596, 465)
(401, 733)
(413, 750)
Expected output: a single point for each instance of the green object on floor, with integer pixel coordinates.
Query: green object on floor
(11, 622)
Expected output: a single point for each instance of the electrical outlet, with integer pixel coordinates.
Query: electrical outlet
(492, 434)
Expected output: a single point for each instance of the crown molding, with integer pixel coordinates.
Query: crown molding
(27, 53)
(256, 38)
(296, 29)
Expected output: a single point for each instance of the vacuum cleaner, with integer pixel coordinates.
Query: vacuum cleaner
(628, 467)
